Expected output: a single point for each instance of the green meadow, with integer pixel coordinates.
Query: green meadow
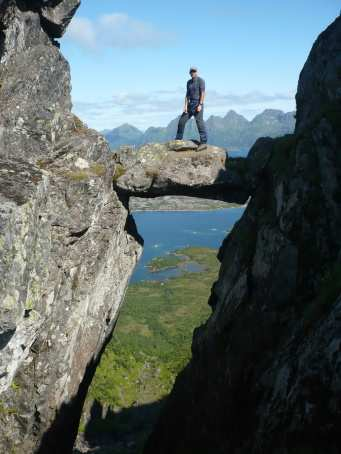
(150, 345)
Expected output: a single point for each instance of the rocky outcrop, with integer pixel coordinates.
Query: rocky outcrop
(265, 373)
(67, 243)
(319, 87)
(179, 168)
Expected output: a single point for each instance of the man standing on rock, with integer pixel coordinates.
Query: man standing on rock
(194, 107)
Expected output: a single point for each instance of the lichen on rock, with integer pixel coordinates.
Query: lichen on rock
(67, 243)
(264, 377)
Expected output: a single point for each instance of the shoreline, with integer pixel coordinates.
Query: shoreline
(198, 210)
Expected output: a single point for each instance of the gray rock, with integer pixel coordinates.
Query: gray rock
(319, 84)
(67, 243)
(56, 17)
(264, 377)
(182, 145)
(174, 168)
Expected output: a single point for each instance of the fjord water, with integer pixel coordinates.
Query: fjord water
(168, 231)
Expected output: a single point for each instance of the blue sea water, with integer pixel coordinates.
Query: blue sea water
(167, 231)
(238, 153)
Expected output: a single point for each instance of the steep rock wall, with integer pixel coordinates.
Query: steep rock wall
(67, 244)
(265, 373)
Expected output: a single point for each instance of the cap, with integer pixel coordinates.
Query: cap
(193, 69)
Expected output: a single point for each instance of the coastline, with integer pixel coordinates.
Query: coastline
(186, 210)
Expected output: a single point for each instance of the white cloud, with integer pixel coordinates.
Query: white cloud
(157, 108)
(116, 30)
(83, 32)
(253, 97)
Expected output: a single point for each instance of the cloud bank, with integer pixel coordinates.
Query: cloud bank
(116, 30)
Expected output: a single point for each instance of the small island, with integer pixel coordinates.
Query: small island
(166, 262)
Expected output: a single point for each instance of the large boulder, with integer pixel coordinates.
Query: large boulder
(181, 168)
(56, 15)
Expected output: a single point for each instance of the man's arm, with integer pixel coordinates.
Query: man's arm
(202, 97)
(186, 105)
(186, 100)
(202, 94)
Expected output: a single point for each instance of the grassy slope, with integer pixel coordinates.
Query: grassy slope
(150, 346)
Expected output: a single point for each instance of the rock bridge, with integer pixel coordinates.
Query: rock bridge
(68, 247)
(178, 168)
(68, 244)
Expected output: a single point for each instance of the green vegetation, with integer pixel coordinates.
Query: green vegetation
(119, 171)
(95, 170)
(15, 386)
(98, 169)
(165, 262)
(43, 163)
(5, 410)
(79, 126)
(151, 344)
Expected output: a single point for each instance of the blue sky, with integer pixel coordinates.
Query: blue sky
(129, 59)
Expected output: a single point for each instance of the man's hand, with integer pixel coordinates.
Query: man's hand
(199, 108)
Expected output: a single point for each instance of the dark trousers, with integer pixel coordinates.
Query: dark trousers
(199, 118)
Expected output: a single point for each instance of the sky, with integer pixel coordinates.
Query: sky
(130, 59)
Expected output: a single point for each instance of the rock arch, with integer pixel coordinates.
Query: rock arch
(68, 246)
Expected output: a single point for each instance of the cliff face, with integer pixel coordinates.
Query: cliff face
(67, 244)
(265, 373)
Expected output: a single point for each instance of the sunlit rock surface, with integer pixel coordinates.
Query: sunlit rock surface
(265, 373)
(67, 244)
(180, 168)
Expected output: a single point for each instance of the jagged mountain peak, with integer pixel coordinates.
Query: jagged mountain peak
(231, 131)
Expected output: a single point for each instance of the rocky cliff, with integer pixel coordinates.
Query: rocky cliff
(265, 373)
(67, 244)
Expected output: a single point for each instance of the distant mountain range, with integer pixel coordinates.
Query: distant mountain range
(233, 131)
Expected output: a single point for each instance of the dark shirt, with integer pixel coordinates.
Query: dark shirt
(195, 87)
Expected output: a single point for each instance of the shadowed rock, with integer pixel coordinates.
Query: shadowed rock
(56, 15)
(265, 373)
(319, 84)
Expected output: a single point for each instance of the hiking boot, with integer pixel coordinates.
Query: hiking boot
(202, 147)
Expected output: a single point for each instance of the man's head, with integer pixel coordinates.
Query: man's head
(193, 70)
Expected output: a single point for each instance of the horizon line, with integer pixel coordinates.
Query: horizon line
(229, 111)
